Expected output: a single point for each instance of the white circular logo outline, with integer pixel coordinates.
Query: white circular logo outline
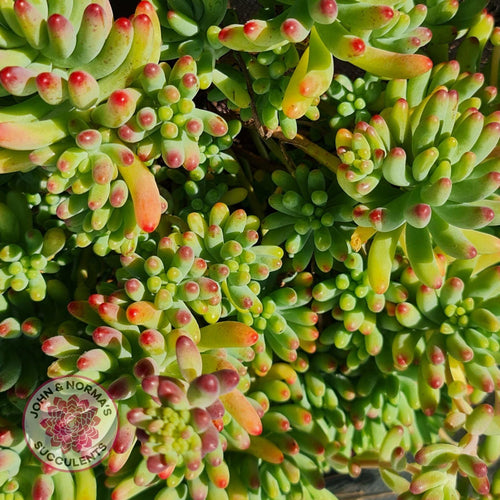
(103, 416)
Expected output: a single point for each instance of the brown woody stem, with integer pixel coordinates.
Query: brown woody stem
(322, 156)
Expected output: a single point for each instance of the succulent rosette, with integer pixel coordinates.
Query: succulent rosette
(167, 122)
(350, 101)
(379, 39)
(186, 30)
(26, 254)
(285, 324)
(74, 51)
(158, 306)
(309, 217)
(355, 308)
(424, 172)
(182, 421)
(229, 243)
(181, 428)
(172, 279)
(112, 197)
(451, 334)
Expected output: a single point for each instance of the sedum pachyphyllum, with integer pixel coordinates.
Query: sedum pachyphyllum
(76, 52)
(353, 100)
(311, 219)
(415, 175)
(462, 320)
(183, 427)
(269, 231)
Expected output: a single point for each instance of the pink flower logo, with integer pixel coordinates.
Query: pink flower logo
(71, 424)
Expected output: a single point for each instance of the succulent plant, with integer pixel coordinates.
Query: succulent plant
(28, 254)
(353, 100)
(186, 30)
(308, 218)
(267, 72)
(463, 341)
(228, 242)
(73, 51)
(286, 324)
(413, 176)
(181, 429)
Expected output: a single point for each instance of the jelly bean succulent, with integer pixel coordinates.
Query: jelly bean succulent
(268, 230)
(349, 101)
(308, 218)
(416, 159)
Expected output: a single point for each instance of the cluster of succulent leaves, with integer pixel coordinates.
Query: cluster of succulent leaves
(271, 235)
